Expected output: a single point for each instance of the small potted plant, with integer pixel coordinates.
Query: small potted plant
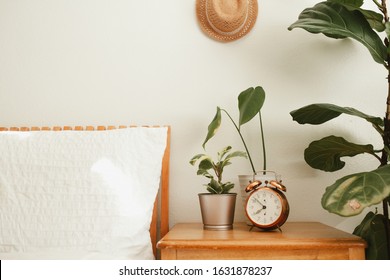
(218, 205)
(250, 102)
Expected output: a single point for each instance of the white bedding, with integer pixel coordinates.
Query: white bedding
(79, 194)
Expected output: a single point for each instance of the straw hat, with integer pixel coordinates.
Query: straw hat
(226, 20)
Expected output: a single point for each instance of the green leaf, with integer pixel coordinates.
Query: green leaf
(211, 190)
(250, 102)
(373, 230)
(325, 153)
(387, 25)
(223, 152)
(206, 163)
(349, 195)
(374, 19)
(213, 126)
(236, 154)
(336, 21)
(349, 3)
(322, 112)
(315, 114)
(205, 173)
(232, 155)
(195, 158)
(214, 186)
(227, 187)
(387, 29)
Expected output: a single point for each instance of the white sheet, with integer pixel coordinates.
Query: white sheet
(79, 194)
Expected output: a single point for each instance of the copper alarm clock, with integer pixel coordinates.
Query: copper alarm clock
(266, 206)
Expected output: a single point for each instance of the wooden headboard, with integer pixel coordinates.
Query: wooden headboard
(160, 219)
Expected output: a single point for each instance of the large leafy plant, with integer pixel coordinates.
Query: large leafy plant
(213, 170)
(351, 194)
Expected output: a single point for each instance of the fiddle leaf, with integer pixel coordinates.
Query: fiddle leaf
(325, 154)
(349, 195)
(374, 19)
(322, 112)
(336, 21)
(373, 230)
(349, 3)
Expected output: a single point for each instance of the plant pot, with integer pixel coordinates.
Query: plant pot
(217, 210)
(262, 176)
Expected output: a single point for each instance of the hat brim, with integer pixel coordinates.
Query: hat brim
(221, 36)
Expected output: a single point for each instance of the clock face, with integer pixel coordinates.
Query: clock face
(267, 208)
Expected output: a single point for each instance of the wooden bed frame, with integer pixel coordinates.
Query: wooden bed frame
(160, 218)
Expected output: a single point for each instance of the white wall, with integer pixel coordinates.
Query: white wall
(94, 62)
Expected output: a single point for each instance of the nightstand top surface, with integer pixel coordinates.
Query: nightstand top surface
(296, 234)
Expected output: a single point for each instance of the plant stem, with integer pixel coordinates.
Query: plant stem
(217, 173)
(386, 133)
(263, 143)
(384, 161)
(379, 5)
(242, 139)
(383, 9)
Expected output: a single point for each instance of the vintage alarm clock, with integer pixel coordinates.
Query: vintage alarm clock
(266, 206)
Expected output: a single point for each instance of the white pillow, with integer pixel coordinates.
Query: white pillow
(79, 194)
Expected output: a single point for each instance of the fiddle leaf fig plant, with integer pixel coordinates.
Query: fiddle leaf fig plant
(207, 164)
(250, 102)
(351, 194)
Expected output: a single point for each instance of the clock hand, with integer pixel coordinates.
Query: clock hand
(258, 201)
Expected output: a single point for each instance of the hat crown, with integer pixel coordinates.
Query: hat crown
(226, 20)
(226, 15)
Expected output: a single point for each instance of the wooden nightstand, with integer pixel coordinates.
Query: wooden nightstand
(299, 240)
